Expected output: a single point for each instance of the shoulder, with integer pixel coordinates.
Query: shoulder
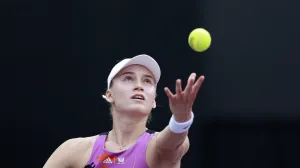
(80, 142)
(73, 152)
(152, 140)
(82, 147)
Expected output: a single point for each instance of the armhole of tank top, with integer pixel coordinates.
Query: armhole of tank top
(95, 148)
(151, 132)
(149, 137)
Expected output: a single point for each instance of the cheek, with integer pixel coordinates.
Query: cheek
(152, 93)
(119, 95)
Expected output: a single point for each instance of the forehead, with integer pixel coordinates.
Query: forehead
(136, 69)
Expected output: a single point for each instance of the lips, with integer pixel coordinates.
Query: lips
(138, 97)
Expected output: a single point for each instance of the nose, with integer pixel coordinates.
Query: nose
(138, 86)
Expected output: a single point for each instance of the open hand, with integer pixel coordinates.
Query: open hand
(181, 102)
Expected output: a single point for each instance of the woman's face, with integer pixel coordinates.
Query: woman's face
(133, 90)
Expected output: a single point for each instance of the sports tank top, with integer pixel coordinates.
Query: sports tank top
(133, 157)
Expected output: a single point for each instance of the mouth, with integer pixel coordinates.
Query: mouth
(138, 97)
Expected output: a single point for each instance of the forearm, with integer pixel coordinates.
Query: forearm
(172, 136)
(168, 140)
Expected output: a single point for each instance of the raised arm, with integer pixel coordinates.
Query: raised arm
(172, 143)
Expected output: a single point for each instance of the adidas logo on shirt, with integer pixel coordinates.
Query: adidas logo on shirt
(107, 160)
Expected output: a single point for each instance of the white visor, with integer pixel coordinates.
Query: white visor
(143, 59)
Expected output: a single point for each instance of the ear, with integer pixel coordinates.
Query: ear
(109, 96)
(154, 104)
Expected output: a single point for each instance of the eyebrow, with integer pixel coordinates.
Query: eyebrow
(131, 73)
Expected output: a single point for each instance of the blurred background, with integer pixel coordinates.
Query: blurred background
(56, 56)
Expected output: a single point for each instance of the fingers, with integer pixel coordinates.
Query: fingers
(169, 93)
(178, 87)
(197, 87)
(189, 87)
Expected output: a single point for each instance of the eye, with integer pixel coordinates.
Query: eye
(128, 78)
(148, 81)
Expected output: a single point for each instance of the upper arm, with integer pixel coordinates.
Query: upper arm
(68, 154)
(60, 158)
(174, 155)
(166, 158)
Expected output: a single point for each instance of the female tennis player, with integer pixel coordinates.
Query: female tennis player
(130, 144)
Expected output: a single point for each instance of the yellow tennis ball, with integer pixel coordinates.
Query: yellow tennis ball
(199, 40)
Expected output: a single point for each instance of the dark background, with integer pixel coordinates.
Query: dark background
(56, 56)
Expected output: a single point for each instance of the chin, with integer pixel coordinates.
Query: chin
(138, 110)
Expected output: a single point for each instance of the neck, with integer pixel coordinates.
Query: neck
(127, 129)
